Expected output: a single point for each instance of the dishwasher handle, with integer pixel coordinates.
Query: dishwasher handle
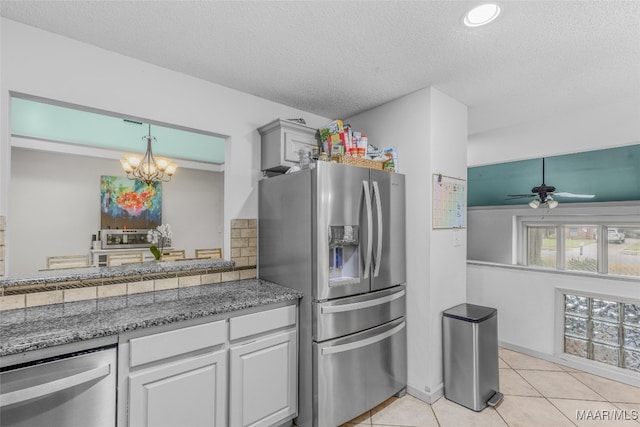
(45, 389)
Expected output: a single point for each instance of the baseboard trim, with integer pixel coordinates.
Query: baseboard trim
(589, 366)
(427, 397)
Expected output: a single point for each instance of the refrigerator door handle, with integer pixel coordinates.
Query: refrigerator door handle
(362, 304)
(378, 261)
(367, 202)
(362, 343)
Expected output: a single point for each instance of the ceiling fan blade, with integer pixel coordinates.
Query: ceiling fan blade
(519, 196)
(580, 196)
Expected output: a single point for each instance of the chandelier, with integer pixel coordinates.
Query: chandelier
(148, 169)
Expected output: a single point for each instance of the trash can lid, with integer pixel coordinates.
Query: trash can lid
(470, 312)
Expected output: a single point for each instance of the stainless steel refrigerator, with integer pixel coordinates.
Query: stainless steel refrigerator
(337, 234)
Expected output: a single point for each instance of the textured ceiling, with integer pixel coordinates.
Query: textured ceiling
(339, 58)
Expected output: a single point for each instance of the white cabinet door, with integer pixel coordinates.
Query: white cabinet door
(263, 380)
(187, 392)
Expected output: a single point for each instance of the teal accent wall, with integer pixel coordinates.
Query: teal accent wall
(611, 175)
(47, 121)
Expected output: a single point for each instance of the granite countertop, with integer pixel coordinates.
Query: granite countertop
(65, 275)
(28, 329)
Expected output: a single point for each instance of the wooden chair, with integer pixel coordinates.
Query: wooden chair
(209, 253)
(67, 261)
(173, 255)
(121, 258)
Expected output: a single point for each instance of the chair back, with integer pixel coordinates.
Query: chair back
(173, 255)
(209, 253)
(67, 261)
(122, 258)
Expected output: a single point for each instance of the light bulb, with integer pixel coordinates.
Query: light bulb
(481, 15)
(133, 161)
(534, 203)
(551, 203)
(162, 163)
(126, 166)
(171, 169)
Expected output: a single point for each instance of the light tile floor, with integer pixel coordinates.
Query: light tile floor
(537, 394)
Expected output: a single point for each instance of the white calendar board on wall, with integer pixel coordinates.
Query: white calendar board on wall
(449, 204)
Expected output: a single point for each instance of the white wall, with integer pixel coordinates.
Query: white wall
(526, 299)
(529, 302)
(55, 208)
(43, 64)
(428, 128)
(615, 122)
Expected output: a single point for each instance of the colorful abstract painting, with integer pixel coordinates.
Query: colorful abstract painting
(125, 203)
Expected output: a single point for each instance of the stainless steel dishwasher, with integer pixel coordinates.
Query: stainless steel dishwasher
(77, 389)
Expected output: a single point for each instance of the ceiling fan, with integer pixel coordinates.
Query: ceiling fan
(545, 194)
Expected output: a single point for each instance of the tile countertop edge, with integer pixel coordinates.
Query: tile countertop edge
(52, 325)
(63, 275)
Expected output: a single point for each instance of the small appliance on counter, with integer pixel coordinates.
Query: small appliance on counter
(124, 239)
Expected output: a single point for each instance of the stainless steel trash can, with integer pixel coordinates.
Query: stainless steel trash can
(470, 347)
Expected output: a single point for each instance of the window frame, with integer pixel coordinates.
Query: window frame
(562, 223)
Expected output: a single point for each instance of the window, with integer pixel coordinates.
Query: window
(574, 246)
(580, 248)
(623, 251)
(541, 246)
(603, 330)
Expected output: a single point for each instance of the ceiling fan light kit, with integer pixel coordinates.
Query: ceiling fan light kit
(543, 194)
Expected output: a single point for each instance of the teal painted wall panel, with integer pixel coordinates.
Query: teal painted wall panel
(610, 175)
(46, 121)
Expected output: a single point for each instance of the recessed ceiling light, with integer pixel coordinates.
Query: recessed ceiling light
(481, 15)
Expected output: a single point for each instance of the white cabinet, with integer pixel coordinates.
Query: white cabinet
(190, 392)
(281, 140)
(179, 377)
(238, 371)
(263, 368)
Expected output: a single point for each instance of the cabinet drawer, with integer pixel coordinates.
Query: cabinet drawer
(173, 343)
(264, 321)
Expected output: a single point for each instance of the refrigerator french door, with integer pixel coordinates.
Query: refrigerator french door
(358, 225)
(336, 233)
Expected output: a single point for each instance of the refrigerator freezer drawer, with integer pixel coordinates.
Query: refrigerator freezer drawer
(355, 373)
(344, 316)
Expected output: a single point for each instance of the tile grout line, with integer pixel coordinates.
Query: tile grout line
(559, 410)
(435, 416)
(544, 396)
(586, 385)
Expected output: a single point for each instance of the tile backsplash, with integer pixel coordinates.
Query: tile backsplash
(3, 227)
(244, 242)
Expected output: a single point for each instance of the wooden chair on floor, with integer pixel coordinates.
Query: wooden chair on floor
(122, 258)
(209, 253)
(67, 261)
(173, 255)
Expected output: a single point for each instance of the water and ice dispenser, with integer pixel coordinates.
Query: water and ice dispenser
(344, 255)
